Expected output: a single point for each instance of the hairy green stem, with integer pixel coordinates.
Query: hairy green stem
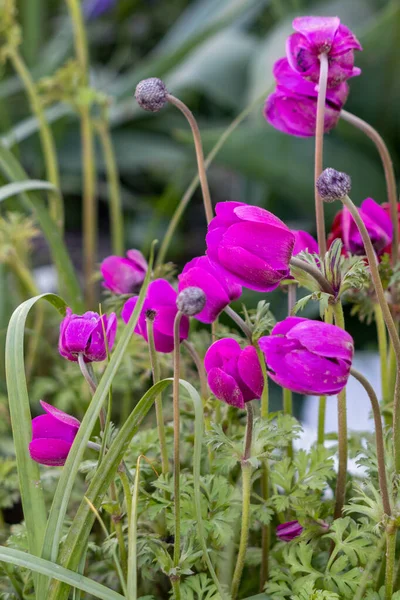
(340, 493)
(247, 470)
(314, 272)
(380, 445)
(177, 469)
(116, 213)
(391, 532)
(288, 410)
(383, 353)
(199, 363)
(388, 169)
(155, 369)
(239, 322)
(208, 208)
(80, 41)
(388, 320)
(319, 148)
(46, 138)
(321, 420)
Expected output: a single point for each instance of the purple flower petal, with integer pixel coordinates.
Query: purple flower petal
(323, 339)
(60, 415)
(250, 371)
(50, 452)
(304, 242)
(224, 387)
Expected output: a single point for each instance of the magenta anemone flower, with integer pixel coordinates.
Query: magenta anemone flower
(124, 275)
(292, 107)
(304, 243)
(309, 357)
(252, 245)
(318, 35)
(219, 288)
(378, 224)
(161, 300)
(84, 334)
(52, 436)
(286, 532)
(234, 375)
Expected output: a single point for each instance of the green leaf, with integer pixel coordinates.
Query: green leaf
(21, 419)
(71, 467)
(12, 171)
(45, 567)
(18, 187)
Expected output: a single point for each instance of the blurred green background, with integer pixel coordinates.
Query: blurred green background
(216, 55)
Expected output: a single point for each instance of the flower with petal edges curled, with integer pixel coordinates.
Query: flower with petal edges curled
(315, 36)
(218, 287)
(52, 436)
(234, 375)
(288, 531)
(304, 242)
(84, 334)
(250, 244)
(309, 357)
(124, 275)
(377, 222)
(160, 299)
(292, 107)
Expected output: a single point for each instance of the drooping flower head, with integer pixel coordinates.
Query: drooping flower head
(304, 243)
(124, 275)
(84, 334)
(286, 532)
(315, 36)
(377, 222)
(309, 357)
(292, 107)
(160, 300)
(52, 436)
(250, 244)
(234, 375)
(218, 286)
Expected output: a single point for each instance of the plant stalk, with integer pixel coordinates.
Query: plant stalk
(239, 322)
(319, 148)
(340, 493)
(391, 532)
(389, 173)
(155, 369)
(247, 470)
(383, 353)
(321, 420)
(314, 272)
(199, 154)
(388, 320)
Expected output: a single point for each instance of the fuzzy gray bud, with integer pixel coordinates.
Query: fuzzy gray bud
(191, 301)
(151, 94)
(333, 185)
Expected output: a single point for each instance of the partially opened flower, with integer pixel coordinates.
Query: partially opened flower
(309, 357)
(292, 107)
(124, 275)
(250, 244)
(234, 375)
(287, 532)
(315, 36)
(52, 436)
(87, 334)
(377, 222)
(218, 286)
(304, 243)
(161, 300)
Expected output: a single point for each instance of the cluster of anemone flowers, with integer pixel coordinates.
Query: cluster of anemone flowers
(248, 247)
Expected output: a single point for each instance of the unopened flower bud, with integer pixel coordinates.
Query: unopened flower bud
(150, 314)
(191, 301)
(151, 94)
(333, 185)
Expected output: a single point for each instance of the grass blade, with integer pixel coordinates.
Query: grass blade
(30, 185)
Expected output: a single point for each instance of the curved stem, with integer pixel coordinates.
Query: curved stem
(388, 169)
(116, 213)
(180, 209)
(239, 322)
(175, 402)
(155, 368)
(46, 138)
(85, 372)
(314, 272)
(246, 494)
(388, 320)
(319, 147)
(380, 446)
(200, 368)
(199, 154)
(383, 353)
(89, 203)
(340, 493)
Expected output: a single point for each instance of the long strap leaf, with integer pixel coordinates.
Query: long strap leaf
(45, 567)
(64, 488)
(21, 419)
(12, 171)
